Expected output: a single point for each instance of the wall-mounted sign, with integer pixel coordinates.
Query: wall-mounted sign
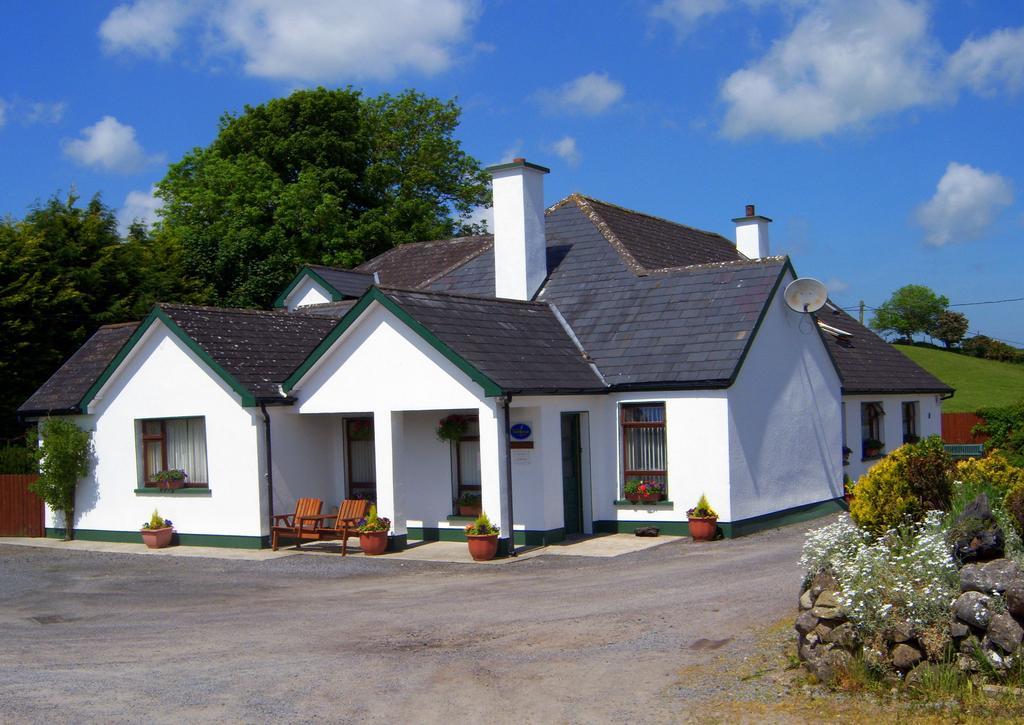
(521, 433)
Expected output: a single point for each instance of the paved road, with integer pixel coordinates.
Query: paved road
(89, 637)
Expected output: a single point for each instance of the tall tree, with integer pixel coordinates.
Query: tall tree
(319, 176)
(912, 309)
(950, 327)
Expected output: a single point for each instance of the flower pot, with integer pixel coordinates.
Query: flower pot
(373, 542)
(651, 498)
(471, 510)
(169, 485)
(157, 538)
(633, 497)
(872, 452)
(703, 529)
(482, 547)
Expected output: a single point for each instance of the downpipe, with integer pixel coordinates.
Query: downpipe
(269, 461)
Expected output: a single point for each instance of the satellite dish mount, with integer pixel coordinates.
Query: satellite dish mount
(805, 295)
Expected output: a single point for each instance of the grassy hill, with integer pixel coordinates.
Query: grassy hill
(978, 382)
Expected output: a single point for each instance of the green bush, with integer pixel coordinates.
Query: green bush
(994, 469)
(18, 459)
(66, 451)
(1005, 425)
(911, 480)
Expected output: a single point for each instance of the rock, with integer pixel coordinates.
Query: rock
(999, 574)
(971, 579)
(1004, 632)
(646, 531)
(805, 623)
(917, 675)
(997, 659)
(1015, 598)
(827, 606)
(958, 629)
(978, 536)
(969, 645)
(827, 598)
(900, 632)
(974, 608)
(806, 601)
(904, 657)
(822, 581)
(845, 636)
(827, 662)
(967, 663)
(823, 630)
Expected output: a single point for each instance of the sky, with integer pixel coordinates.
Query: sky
(881, 136)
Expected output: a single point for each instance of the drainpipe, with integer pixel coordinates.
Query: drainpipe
(270, 462)
(508, 473)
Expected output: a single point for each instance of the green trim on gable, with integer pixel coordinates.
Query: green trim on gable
(374, 294)
(134, 537)
(787, 267)
(336, 296)
(248, 400)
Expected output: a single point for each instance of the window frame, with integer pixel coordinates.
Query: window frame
(874, 410)
(148, 439)
(460, 487)
(914, 418)
(356, 489)
(624, 425)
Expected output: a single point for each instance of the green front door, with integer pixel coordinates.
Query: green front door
(572, 486)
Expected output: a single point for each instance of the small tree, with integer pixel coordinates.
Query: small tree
(912, 308)
(950, 327)
(65, 453)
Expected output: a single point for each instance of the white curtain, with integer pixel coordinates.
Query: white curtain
(645, 449)
(186, 447)
(469, 462)
(362, 459)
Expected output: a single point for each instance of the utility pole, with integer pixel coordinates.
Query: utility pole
(862, 312)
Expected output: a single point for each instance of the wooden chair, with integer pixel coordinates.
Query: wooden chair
(350, 513)
(296, 525)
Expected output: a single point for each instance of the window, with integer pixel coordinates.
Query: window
(872, 416)
(643, 442)
(467, 460)
(910, 433)
(174, 443)
(362, 459)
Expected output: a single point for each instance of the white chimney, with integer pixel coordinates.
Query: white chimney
(520, 249)
(752, 234)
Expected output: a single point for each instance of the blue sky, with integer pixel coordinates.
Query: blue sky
(882, 136)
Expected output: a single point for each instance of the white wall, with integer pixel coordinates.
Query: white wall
(428, 487)
(785, 437)
(306, 292)
(162, 378)
(929, 423)
(308, 458)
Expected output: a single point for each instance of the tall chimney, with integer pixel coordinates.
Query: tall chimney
(520, 248)
(752, 234)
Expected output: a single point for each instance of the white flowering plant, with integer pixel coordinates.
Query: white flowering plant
(907, 574)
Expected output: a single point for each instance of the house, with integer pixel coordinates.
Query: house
(579, 347)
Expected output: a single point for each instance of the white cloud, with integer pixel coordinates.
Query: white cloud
(482, 215)
(986, 63)
(110, 145)
(141, 206)
(43, 112)
(842, 65)
(512, 152)
(146, 27)
(684, 15)
(834, 285)
(589, 94)
(565, 148)
(965, 204)
(316, 40)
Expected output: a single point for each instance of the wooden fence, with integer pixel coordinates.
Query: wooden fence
(21, 511)
(956, 428)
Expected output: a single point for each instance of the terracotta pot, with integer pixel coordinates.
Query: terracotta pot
(872, 452)
(633, 497)
(848, 497)
(473, 511)
(703, 529)
(651, 498)
(373, 542)
(170, 485)
(482, 547)
(157, 538)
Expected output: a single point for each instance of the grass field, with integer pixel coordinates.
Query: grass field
(978, 382)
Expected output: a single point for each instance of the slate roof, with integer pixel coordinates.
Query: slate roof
(345, 281)
(868, 364)
(416, 265)
(66, 387)
(521, 346)
(259, 348)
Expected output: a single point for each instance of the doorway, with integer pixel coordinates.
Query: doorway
(572, 474)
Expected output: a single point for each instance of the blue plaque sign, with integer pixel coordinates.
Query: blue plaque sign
(521, 431)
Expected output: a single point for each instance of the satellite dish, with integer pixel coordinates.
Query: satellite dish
(805, 295)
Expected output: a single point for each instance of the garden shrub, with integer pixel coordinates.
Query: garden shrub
(18, 459)
(1005, 426)
(909, 481)
(1014, 505)
(994, 469)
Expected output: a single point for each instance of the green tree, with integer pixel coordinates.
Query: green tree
(65, 455)
(322, 176)
(912, 309)
(950, 327)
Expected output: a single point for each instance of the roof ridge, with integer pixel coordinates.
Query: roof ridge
(488, 244)
(115, 325)
(464, 295)
(776, 259)
(337, 269)
(284, 314)
(585, 206)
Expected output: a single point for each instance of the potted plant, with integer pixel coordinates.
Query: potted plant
(703, 520)
(650, 491)
(171, 478)
(452, 427)
(157, 532)
(632, 490)
(483, 538)
(470, 504)
(373, 533)
(873, 448)
(847, 489)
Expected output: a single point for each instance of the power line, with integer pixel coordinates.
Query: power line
(987, 302)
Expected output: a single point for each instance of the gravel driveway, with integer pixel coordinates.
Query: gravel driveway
(88, 637)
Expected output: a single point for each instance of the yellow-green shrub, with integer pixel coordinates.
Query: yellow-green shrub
(882, 497)
(993, 469)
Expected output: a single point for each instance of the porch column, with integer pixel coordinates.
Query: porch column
(493, 489)
(388, 428)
